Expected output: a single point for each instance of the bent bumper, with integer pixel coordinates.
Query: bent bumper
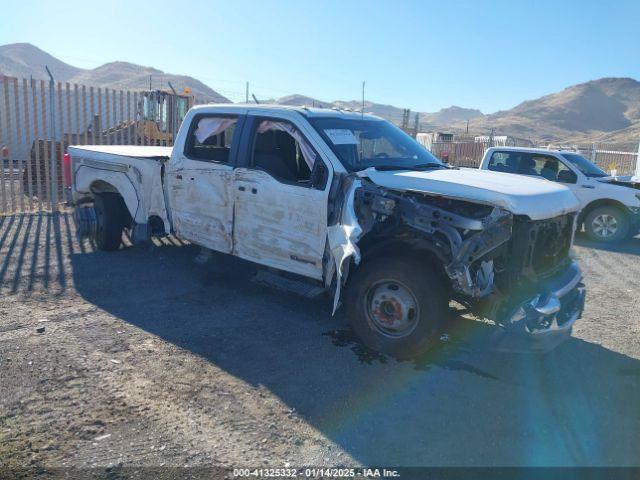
(635, 221)
(545, 320)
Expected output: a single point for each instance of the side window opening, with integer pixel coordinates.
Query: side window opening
(544, 166)
(281, 150)
(507, 162)
(212, 138)
(550, 168)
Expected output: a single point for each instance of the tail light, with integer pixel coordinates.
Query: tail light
(66, 168)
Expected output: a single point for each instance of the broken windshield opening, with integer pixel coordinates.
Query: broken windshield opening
(364, 143)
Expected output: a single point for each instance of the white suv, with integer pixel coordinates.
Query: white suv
(610, 205)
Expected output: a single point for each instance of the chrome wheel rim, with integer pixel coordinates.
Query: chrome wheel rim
(605, 225)
(391, 308)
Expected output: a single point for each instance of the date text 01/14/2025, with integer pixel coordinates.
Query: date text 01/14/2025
(315, 473)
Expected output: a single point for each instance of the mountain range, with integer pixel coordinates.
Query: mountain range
(604, 110)
(26, 60)
(443, 117)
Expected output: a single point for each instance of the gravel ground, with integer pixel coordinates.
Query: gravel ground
(143, 358)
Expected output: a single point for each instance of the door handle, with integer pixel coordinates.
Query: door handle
(179, 177)
(242, 189)
(587, 186)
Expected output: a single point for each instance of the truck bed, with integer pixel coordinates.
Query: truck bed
(135, 172)
(132, 151)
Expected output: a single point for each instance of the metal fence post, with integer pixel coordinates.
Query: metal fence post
(593, 153)
(52, 152)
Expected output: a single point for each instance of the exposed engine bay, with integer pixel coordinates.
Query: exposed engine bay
(484, 250)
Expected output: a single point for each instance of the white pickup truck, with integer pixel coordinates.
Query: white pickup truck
(610, 206)
(349, 203)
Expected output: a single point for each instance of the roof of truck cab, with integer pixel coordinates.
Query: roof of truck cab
(310, 112)
(532, 150)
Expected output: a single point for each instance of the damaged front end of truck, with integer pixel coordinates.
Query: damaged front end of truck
(502, 266)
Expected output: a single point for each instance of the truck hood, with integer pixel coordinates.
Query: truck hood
(539, 199)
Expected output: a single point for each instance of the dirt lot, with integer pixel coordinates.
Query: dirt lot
(145, 358)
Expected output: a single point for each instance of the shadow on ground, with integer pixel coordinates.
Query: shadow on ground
(460, 404)
(628, 246)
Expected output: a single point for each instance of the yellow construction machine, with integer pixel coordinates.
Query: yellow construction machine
(159, 114)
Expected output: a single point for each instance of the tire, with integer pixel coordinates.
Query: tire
(385, 287)
(607, 224)
(110, 221)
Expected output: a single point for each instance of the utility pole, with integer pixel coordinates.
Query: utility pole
(149, 82)
(362, 112)
(467, 126)
(52, 150)
(406, 116)
(246, 93)
(638, 162)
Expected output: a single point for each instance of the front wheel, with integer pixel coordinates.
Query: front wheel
(607, 224)
(397, 305)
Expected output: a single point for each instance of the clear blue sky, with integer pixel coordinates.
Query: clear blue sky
(423, 55)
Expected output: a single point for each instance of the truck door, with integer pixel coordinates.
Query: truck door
(281, 193)
(552, 168)
(200, 182)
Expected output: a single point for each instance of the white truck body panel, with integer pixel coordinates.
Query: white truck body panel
(281, 226)
(201, 203)
(134, 170)
(538, 199)
(586, 189)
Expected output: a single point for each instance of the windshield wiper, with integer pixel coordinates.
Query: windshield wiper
(419, 167)
(428, 166)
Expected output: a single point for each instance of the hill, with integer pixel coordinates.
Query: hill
(607, 109)
(445, 116)
(26, 60)
(604, 110)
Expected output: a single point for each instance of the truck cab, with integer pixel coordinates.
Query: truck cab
(351, 204)
(610, 206)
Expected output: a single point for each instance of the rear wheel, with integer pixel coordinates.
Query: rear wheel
(607, 224)
(110, 220)
(397, 305)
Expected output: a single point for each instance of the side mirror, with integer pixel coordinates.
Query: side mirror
(318, 175)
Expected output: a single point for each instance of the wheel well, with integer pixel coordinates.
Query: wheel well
(156, 225)
(416, 248)
(605, 202)
(100, 186)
